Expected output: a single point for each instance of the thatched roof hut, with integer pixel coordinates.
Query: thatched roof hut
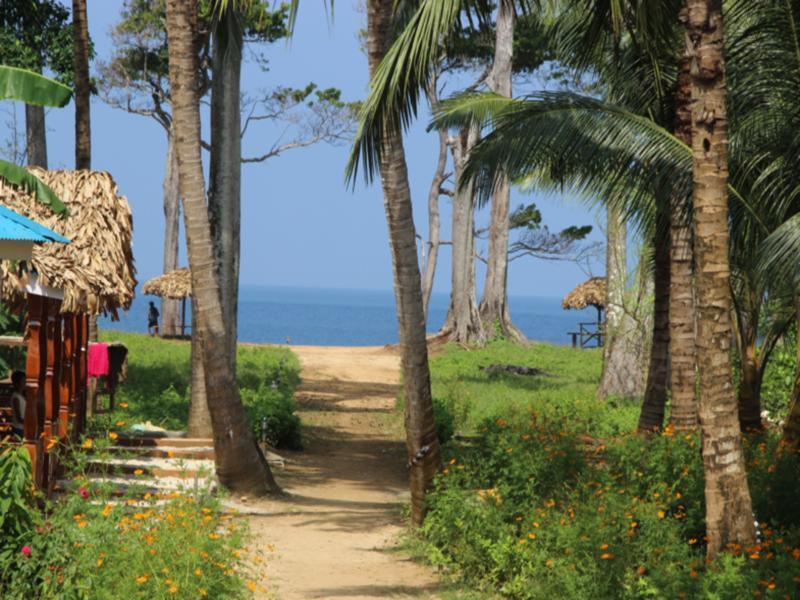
(175, 284)
(96, 270)
(589, 293)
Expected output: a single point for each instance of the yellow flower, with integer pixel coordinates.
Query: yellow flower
(99, 562)
(202, 593)
(142, 579)
(173, 589)
(661, 514)
(112, 435)
(251, 585)
(138, 472)
(107, 509)
(198, 572)
(532, 536)
(123, 405)
(87, 443)
(213, 536)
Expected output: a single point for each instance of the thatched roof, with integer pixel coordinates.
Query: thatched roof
(175, 284)
(589, 293)
(96, 270)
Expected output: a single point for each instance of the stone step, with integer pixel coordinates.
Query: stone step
(150, 441)
(155, 467)
(141, 485)
(189, 452)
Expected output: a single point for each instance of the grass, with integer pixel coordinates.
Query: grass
(549, 493)
(157, 386)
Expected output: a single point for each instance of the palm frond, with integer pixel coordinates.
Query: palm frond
(20, 177)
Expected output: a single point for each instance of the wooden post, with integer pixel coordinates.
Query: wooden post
(183, 316)
(65, 378)
(36, 347)
(82, 367)
(78, 390)
(50, 380)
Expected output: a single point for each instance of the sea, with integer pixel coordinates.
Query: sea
(334, 317)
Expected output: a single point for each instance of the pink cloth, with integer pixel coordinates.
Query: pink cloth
(98, 360)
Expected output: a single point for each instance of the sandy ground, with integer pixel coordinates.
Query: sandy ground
(335, 533)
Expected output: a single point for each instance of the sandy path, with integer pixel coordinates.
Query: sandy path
(335, 533)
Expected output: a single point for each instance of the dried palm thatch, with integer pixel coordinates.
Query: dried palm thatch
(96, 270)
(175, 284)
(590, 293)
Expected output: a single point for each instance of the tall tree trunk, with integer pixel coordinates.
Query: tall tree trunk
(791, 428)
(36, 136)
(620, 364)
(224, 194)
(424, 456)
(80, 34)
(429, 268)
(494, 304)
(240, 464)
(729, 511)
(463, 323)
(655, 396)
(83, 132)
(683, 373)
(170, 316)
(749, 396)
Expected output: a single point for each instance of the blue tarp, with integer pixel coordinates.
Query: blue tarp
(14, 226)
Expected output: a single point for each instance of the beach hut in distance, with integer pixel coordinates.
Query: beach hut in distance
(589, 293)
(175, 285)
(58, 288)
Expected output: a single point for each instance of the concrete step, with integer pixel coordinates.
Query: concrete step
(140, 485)
(176, 452)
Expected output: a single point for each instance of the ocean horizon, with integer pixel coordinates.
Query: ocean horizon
(337, 317)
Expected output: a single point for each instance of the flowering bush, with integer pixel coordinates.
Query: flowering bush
(540, 505)
(91, 544)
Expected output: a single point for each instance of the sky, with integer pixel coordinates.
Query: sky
(301, 226)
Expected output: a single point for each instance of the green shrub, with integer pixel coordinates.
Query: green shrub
(270, 406)
(17, 516)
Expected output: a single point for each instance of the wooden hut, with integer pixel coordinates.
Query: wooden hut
(176, 285)
(589, 293)
(62, 286)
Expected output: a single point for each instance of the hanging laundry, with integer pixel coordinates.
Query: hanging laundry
(98, 360)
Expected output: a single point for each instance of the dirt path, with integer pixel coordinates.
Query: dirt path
(334, 536)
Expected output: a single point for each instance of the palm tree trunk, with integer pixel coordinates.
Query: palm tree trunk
(729, 511)
(240, 464)
(655, 396)
(80, 33)
(172, 215)
(36, 136)
(83, 132)
(683, 373)
(199, 424)
(224, 194)
(494, 304)
(422, 446)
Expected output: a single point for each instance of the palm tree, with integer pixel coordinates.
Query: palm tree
(83, 141)
(421, 442)
(240, 464)
(729, 514)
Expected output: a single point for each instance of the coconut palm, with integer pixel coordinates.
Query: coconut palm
(240, 464)
(83, 141)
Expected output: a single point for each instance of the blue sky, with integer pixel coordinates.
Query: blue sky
(300, 225)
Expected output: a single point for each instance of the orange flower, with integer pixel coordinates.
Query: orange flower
(112, 435)
(120, 423)
(251, 585)
(142, 579)
(87, 443)
(51, 443)
(607, 555)
(661, 514)
(532, 536)
(99, 562)
(123, 405)
(138, 472)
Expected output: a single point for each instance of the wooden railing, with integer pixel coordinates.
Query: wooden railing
(55, 384)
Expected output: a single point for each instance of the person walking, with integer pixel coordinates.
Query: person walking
(152, 319)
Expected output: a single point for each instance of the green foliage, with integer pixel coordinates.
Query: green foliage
(556, 497)
(92, 545)
(17, 516)
(157, 387)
